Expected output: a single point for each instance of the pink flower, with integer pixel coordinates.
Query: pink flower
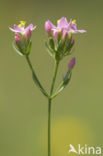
(48, 27)
(22, 30)
(64, 27)
(22, 37)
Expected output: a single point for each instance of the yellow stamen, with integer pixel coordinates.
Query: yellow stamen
(22, 23)
(58, 21)
(74, 21)
(59, 31)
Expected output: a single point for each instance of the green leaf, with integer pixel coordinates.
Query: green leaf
(49, 50)
(14, 47)
(63, 84)
(28, 48)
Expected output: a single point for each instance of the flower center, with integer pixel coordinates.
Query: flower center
(22, 24)
(74, 21)
(58, 21)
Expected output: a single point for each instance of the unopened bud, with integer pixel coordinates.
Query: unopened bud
(73, 41)
(48, 27)
(64, 35)
(51, 43)
(55, 34)
(17, 38)
(72, 63)
(28, 34)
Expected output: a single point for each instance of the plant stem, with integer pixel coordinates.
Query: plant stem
(49, 127)
(37, 82)
(54, 77)
(49, 109)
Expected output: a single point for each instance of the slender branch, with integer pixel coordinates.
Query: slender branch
(54, 77)
(49, 109)
(49, 127)
(37, 82)
(60, 88)
(63, 84)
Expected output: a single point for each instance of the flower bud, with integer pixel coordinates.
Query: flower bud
(72, 63)
(55, 34)
(51, 43)
(17, 38)
(64, 35)
(28, 34)
(48, 27)
(72, 43)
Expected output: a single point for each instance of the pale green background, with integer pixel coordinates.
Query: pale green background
(76, 113)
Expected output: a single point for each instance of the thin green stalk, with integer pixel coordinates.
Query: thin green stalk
(49, 127)
(54, 77)
(37, 82)
(60, 88)
(63, 84)
(49, 109)
(49, 99)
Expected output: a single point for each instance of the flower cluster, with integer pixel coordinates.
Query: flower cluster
(60, 37)
(22, 37)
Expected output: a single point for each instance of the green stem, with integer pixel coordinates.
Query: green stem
(49, 109)
(60, 88)
(49, 127)
(54, 77)
(49, 99)
(37, 82)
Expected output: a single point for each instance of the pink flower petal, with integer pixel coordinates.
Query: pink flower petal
(79, 31)
(62, 23)
(12, 29)
(31, 27)
(17, 29)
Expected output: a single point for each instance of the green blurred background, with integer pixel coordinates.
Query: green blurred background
(76, 113)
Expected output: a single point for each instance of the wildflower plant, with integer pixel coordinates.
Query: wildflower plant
(60, 43)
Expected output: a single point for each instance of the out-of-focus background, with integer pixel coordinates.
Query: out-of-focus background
(77, 113)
